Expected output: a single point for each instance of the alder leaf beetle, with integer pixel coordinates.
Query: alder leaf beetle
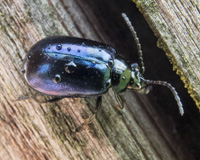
(74, 67)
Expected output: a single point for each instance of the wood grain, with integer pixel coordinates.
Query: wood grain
(29, 130)
(176, 24)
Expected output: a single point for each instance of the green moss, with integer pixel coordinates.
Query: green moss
(179, 71)
(149, 6)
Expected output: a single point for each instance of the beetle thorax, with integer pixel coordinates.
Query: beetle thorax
(120, 75)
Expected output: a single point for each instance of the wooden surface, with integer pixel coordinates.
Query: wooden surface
(28, 130)
(177, 26)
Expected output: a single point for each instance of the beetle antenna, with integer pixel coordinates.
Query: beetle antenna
(168, 85)
(134, 34)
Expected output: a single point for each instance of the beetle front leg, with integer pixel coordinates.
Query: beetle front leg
(91, 118)
(120, 102)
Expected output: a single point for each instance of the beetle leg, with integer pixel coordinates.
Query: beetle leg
(98, 105)
(91, 118)
(21, 98)
(55, 99)
(120, 102)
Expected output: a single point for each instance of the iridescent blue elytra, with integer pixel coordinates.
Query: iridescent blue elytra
(74, 67)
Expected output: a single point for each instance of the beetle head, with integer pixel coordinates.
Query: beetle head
(137, 82)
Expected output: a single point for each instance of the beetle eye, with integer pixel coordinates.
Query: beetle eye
(57, 78)
(110, 63)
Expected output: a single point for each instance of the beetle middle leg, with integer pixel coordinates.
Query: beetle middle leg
(91, 118)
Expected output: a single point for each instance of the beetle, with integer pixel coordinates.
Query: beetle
(64, 66)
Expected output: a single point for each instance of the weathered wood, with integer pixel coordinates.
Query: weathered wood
(176, 24)
(29, 130)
